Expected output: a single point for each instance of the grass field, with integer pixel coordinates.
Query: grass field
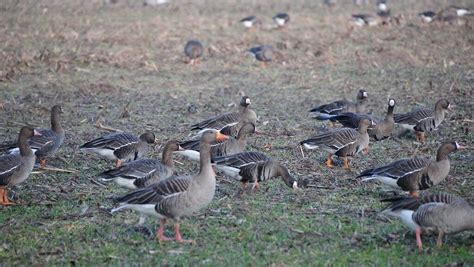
(97, 59)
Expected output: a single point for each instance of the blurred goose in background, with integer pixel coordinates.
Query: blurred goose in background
(254, 167)
(249, 22)
(230, 146)
(263, 53)
(229, 123)
(177, 196)
(281, 19)
(193, 50)
(442, 213)
(15, 168)
(413, 174)
(382, 5)
(427, 16)
(424, 120)
(342, 142)
(143, 172)
(341, 106)
(362, 20)
(121, 147)
(461, 11)
(48, 143)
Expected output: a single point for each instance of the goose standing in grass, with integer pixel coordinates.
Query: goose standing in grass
(413, 174)
(249, 22)
(121, 147)
(193, 50)
(281, 19)
(341, 106)
(424, 120)
(461, 11)
(143, 172)
(441, 212)
(48, 143)
(262, 53)
(362, 20)
(229, 123)
(342, 142)
(254, 167)
(177, 196)
(15, 168)
(427, 16)
(229, 147)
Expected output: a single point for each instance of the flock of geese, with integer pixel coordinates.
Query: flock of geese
(219, 145)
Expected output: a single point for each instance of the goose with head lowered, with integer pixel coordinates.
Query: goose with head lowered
(193, 50)
(15, 168)
(177, 196)
(442, 213)
(413, 174)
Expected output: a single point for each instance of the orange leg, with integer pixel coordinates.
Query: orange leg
(42, 163)
(420, 137)
(366, 150)
(414, 194)
(329, 162)
(345, 164)
(4, 197)
(177, 235)
(332, 124)
(161, 230)
(256, 186)
(263, 64)
(439, 241)
(118, 163)
(419, 244)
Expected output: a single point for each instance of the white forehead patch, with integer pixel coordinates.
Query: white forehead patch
(247, 101)
(391, 102)
(364, 94)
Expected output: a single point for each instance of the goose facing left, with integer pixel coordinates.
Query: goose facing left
(15, 168)
(120, 147)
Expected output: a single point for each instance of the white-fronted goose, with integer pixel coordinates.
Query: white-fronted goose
(461, 11)
(424, 120)
(254, 167)
(15, 168)
(193, 50)
(413, 174)
(50, 140)
(364, 20)
(143, 172)
(249, 22)
(427, 16)
(263, 53)
(121, 147)
(281, 19)
(229, 123)
(177, 196)
(229, 147)
(341, 106)
(342, 142)
(441, 212)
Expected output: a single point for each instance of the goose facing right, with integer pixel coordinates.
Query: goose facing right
(441, 212)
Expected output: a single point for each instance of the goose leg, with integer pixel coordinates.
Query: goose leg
(366, 150)
(345, 164)
(256, 186)
(419, 244)
(4, 197)
(439, 241)
(118, 162)
(161, 231)
(329, 162)
(331, 124)
(42, 163)
(177, 235)
(420, 137)
(414, 194)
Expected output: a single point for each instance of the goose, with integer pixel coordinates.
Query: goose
(382, 5)
(229, 147)
(254, 167)
(143, 172)
(461, 11)
(15, 168)
(229, 123)
(177, 196)
(193, 50)
(413, 174)
(120, 146)
(341, 106)
(281, 19)
(441, 212)
(263, 53)
(424, 120)
(48, 143)
(249, 22)
(342, 142)
(382, 130)
(362, 20)
(427, 16)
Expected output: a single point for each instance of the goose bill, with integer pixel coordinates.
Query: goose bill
(221, 137)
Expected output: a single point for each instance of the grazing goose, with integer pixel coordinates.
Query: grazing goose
(342, 142)
(382, 130)
(249, 22)
(49, 141)
(441, 212)
(120, 146)
(193, 50)
(254, 167)
(143, 172)
(461, 11)
(177, 196)
(424, 120)
(229, 123)
(15, 168)
(229, 147)
(281, 19)
(413, 174)
(362, 20)
(427, 16)
(263, 53)
(341, 106)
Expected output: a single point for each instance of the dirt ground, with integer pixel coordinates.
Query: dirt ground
(122, 65)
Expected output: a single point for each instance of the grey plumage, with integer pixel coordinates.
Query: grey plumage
(341, 106)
